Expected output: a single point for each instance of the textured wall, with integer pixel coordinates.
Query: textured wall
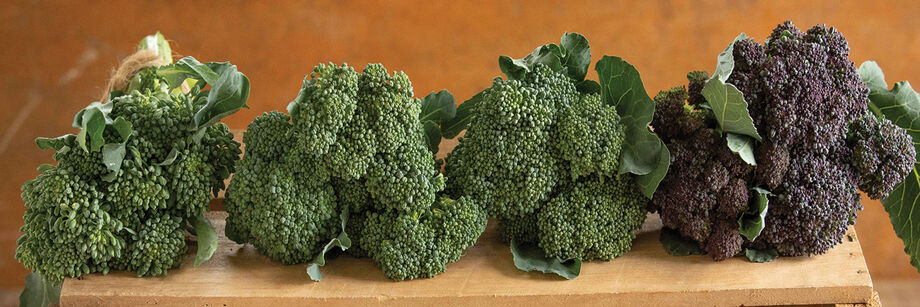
(56, 56)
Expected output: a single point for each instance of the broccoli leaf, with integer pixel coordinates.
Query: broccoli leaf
(432, 135)
(342, 242)
(112, 156)
(576, 55)
(228, 94)
(871, 74)
(159, 45)
(54, 143)
(38, 292)
(465, 112)
(532, 258)
(726, 60)
(207, 239)
(516, 69)
(761, 256)
(901, 105)
(729, 108)
(438, 107)
(752, 221)
(644, 154)
(743, 146)
(572, 54)
(588, 87)
(677, 245)
(92, 121)
(187, 68)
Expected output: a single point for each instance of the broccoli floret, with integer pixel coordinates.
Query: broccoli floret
(505, 160)
(68, 230)
(594, 219)
(325, 104)
(419, 244)
(142, 168)
(362, 157)
(818, 202)
(803, 95)
(883, 154)
(158, 246)
(589, 137)
(287, 217)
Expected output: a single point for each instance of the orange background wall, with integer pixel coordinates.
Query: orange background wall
(56, 56)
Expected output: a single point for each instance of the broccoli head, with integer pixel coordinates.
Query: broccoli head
(142, 168)
(808, 105)
(542, 153)
(353, 150)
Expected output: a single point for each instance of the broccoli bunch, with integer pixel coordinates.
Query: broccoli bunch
(143, 166)
(543, 153)
(351, 157)
(818, 144)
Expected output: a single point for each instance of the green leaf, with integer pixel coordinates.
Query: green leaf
(158, 44)
(761, 256)
(901, 105)
(465, 112)
(549, 55)
(112, 156)
(207, 239)
(531, 258)
(576, 55)
(872, 75)
(726, 60)
(677, 245)
(742, 145)
(438, 107)
(516, 69)
(197, 70)
(171, 157)
(588, 87)
(123, 127)
(92, 121)
(342, 242)
(54, 143)
(648, 183)
(752, 222)
(38, 292)
(432, 135)
(45, 167)
(644, 154)
(729, 108)
(228, 94)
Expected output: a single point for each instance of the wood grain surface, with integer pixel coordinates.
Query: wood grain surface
(485, 275)
(57, 55)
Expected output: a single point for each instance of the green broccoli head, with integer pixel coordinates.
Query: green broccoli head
(142, 167)
(363, 156)
(544, 158)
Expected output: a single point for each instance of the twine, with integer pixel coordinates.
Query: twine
(128, 68)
